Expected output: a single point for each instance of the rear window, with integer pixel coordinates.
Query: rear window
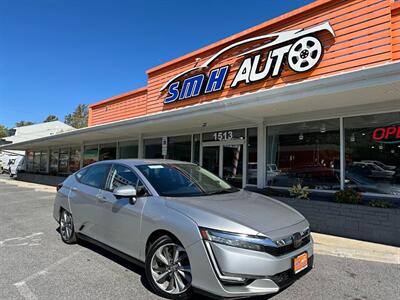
(96, 175)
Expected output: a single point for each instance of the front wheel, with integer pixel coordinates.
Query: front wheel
(168, 269)
(67, 230)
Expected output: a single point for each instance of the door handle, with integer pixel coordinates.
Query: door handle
(74, 189)
(101, 198)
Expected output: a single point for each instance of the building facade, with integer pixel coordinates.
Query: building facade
(311, 98)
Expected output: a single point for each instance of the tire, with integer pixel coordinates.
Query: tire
(67, 231)
(168, 272)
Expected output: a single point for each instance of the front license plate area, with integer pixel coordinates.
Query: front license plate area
(300, 262)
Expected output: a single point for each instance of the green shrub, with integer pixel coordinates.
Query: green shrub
(381, 204)
(299, 192)
(348, 196)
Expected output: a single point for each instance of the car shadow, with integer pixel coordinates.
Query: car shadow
(119, 260)
(140, 271)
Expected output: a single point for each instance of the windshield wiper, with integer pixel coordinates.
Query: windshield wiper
(227, 191)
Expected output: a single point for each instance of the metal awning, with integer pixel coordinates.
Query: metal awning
(371, 86)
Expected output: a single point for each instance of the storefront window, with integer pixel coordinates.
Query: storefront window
(36, 162)
(373, 153)
(128, 149)
(90, 155)
(196, 149)
(75, 160)
(179, 148)
(53, 162)
(63, 161)
(306, 153)
(152, 148)
(252, 156)
(29, 160)
(43, 162)
(108, 151)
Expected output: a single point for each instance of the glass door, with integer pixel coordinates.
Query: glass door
(232, 168)
(211, 159)
(225, 159)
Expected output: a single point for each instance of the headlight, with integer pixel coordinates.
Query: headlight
(250, 242)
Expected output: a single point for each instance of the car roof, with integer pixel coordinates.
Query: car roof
(138, 162)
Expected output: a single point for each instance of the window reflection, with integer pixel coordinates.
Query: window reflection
(152, 148)
(90, 155)
(306, 153)
(179, 147)
(373, 153)
(128, 149)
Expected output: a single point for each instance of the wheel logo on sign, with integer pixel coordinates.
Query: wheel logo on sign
(299, 47)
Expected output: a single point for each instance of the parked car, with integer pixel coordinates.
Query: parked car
(361, 183)
(190, 230)
(374, 171)
(4, 159)
(16, 165)
(380, 164)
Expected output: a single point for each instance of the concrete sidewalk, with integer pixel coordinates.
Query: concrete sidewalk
(349, 248)
(23, 184)
(324, 244)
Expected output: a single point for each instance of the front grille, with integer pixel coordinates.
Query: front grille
(287, 277)
(288, 248)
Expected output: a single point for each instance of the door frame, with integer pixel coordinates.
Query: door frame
(221, 144)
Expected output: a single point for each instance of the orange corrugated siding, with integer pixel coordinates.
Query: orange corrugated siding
(396, 30)
(119, 108)
(367, 34)
(362, 39)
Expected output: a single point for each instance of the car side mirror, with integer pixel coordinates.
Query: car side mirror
(126, 191)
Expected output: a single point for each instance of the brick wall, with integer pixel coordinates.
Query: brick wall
(379, 225)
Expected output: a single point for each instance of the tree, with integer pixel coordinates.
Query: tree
(51, 118)
(23, 123)
(3, 131)
(79, 118)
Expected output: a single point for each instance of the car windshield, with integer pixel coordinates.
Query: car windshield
(183, 180)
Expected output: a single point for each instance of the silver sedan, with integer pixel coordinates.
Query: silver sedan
(190, 230)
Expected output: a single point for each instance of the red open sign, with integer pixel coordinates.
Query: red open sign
(386, 133)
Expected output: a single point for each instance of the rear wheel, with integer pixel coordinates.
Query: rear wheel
(67, 230)
(168, 269)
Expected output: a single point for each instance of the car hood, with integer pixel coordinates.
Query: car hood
(242, 212)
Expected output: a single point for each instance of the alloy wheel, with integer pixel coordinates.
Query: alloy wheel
(170, 269)
(66, 225)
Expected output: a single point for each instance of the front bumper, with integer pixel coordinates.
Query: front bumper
(216, 268)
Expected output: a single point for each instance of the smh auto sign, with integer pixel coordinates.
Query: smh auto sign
(299, 48)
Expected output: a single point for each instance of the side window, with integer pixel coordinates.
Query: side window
(121, 175)
(80, 174)
(96, 175)
(141, 190)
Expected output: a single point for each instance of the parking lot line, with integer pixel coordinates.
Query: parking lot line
(29, 240)
(22, 285)
(25, 291)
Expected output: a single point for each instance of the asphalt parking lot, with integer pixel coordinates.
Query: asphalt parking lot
(36, 264)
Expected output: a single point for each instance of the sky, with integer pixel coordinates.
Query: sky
(56, 54)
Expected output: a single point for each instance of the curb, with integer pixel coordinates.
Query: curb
(35, 186)
(348, 248)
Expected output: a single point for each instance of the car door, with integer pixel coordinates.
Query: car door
(119, 219)
(84, 198)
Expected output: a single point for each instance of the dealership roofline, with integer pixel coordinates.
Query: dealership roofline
(367, 77)
(118, 97)
(274, 21)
